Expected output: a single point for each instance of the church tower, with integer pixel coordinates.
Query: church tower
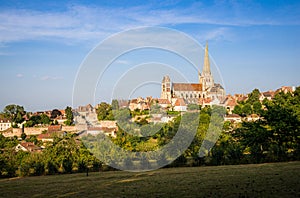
(206, 78)
(166, 88)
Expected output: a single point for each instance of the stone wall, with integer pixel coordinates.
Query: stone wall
(68, 128)
(34, 131)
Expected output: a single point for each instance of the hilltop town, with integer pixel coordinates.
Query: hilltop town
(68, 140)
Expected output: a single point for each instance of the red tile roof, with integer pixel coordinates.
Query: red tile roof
(269, 94)
(29, 146)
(163, 101)
(233, 116)
(44, 136)
(179, 102)
(187, 87)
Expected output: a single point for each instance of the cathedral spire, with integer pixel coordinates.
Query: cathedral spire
(206, 66)
(206, 78)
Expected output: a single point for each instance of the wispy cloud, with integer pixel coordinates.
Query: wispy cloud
(123, 62)
(84, 23)
(19, 75)
(51, 78)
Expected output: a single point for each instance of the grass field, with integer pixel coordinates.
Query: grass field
(259, 180)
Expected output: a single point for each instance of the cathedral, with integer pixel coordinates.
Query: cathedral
(194, 93)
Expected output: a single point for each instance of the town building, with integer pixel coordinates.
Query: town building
(192, 92)
(4, 124)
(28, 147)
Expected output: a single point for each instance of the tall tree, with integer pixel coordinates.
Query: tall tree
(14, 112)
(69, 115)
(115, 104)
(253, 96)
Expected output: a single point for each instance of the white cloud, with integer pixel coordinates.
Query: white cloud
(19, 75)
(83, 23)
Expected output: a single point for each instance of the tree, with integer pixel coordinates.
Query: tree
(45, 119)
(285, 126)
(256, 137)
(69, 115)
(104, 111)
(23, 136)
(15, 113)
(36, 119)
(237, 110)
(257, 107)
(253, 96)
(247, 109)
(115, 104)
(55, 113)
(191, 107)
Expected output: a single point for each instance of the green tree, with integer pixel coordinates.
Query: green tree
(69, 115)
(285, 126)
(191, 107)
(23, 136)
(45, 119)
(36, 119)
(55, 113)
(247, 109)
(237, 110)
(14, 112)
(115, 104)
(253, 97)
(104, 111)
(257, 107)
(256, 137)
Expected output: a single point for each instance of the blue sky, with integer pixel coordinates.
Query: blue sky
(255, 44)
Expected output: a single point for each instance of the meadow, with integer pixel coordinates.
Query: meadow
(255, 180)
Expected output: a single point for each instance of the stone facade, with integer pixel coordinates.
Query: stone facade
(194, 92)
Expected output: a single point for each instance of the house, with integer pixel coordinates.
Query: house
(28, 147)
(285, 89)
(4, 124)
(138, 103)
(87, 108)
(164, 103)
(234, 118)
(108, 127)
(61, 119)
(161, 118)
(240, 97)
(180, 105)
(105, 130)
(123, 103)
(269, 95)
(205, 102)
(229, 103)
(47, 137)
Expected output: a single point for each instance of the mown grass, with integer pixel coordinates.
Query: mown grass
(258, 180)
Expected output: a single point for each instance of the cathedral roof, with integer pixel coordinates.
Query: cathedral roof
(187, 87)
